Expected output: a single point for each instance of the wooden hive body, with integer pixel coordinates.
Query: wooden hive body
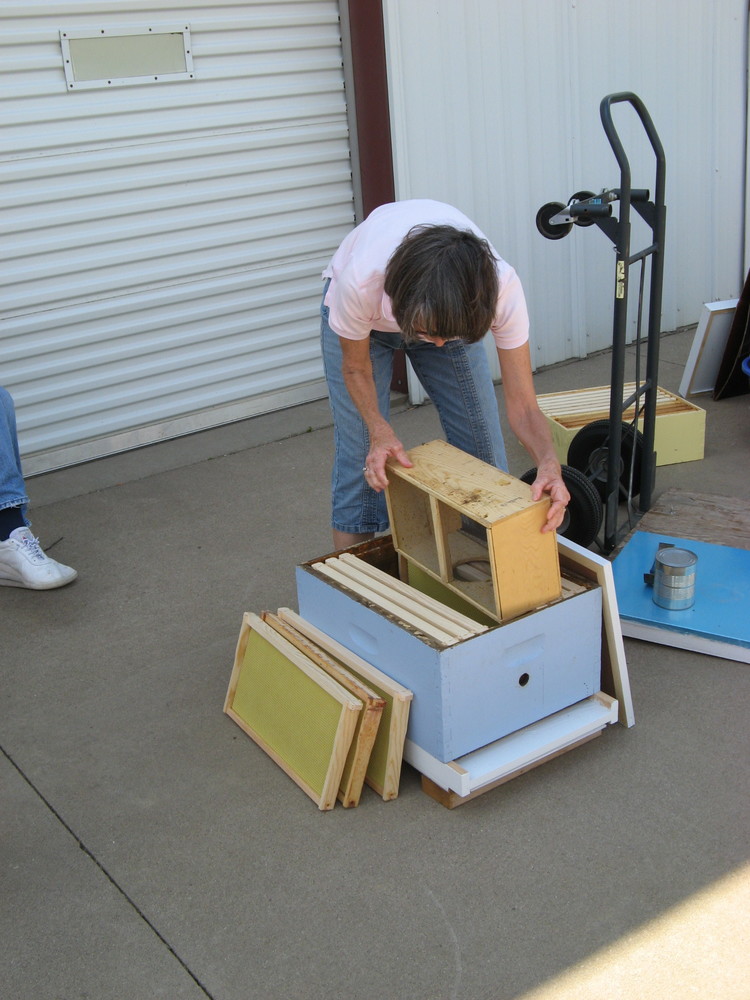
(680, 425)
(452, 509)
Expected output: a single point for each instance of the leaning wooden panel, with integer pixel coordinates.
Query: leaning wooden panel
(615, 679)
(366, 732)
(384, 769)
(292, 709)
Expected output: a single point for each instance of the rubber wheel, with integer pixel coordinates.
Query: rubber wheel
(589, 453)
(582, 196)
(584, 515)
(549, 230)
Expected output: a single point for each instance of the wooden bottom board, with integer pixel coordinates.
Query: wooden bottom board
(520, 751)
(451, 799)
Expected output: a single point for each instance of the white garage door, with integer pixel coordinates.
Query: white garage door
(174, 179)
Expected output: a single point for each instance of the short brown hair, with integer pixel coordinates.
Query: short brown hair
(442, 281)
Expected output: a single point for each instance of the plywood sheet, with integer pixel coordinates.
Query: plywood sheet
(705, 517)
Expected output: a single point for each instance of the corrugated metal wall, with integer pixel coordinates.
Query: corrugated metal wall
(163, 244)
(495, 108)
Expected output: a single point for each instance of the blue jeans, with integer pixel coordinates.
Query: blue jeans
(12, 486)
(457, 379)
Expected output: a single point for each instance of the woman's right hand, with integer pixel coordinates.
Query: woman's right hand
(383, 445)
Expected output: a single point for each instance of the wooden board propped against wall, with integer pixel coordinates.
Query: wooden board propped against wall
(707, 349)
(303, 719)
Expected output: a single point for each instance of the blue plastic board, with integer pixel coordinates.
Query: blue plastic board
(722, 593)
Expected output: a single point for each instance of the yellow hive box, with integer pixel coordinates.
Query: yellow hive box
(680, 426)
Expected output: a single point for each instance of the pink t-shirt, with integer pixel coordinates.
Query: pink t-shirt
(356, 299)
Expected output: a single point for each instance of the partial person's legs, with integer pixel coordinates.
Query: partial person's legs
(23, 563)
(457, 379)
(358, 512)
(13, 498)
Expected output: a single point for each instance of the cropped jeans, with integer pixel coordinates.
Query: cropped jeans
(12, 486)
(457, 379)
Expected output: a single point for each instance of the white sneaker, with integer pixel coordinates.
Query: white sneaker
(23, 563)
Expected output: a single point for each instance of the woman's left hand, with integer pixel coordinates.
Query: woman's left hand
(549, 480)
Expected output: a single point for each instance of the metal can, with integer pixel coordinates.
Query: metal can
(674, 578)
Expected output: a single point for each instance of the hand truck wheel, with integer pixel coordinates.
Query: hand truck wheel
(582, 196)
(552, 231)
(589, 453)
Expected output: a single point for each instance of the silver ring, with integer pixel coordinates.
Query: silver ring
(365, 470)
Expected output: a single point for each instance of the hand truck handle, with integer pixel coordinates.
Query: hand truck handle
(605, 110)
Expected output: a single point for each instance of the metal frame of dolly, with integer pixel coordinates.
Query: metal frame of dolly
(584, 209)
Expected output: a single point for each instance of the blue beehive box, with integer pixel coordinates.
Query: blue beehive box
(476, 691)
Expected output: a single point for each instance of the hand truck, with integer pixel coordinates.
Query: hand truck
(617, 458)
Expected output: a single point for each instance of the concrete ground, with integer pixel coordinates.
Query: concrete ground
(150, 849)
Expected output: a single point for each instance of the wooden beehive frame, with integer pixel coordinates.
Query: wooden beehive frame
(428, 507)
(579, 407)
(358, 759)
(416, 610)
(384, 768)
(462, 625)
(273, 710)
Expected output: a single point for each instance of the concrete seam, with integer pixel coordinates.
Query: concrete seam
(87, 851)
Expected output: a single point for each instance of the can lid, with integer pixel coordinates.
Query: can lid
(675, 558)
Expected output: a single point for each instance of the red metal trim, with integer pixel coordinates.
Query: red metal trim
(371, 110)
(371, 102)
